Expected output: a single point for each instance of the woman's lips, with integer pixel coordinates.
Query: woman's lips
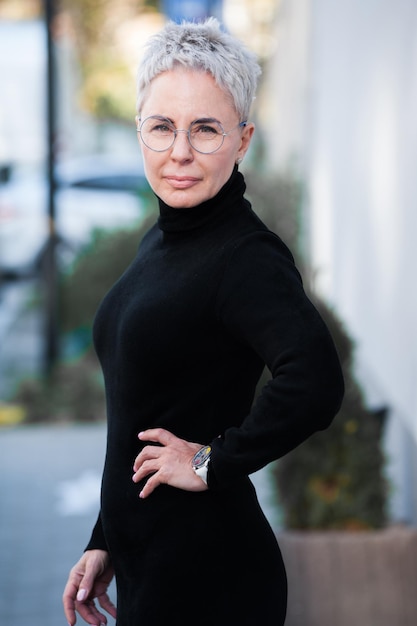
(181, 182)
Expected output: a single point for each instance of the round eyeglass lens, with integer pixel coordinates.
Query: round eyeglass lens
(206, 137)
(159, 135)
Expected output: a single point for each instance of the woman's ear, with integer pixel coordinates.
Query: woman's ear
(245, 140)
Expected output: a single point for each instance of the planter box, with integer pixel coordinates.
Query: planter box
(351, 579)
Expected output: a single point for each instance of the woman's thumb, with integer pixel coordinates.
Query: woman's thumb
(82, 592)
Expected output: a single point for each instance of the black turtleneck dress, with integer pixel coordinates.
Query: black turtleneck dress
(182, 338)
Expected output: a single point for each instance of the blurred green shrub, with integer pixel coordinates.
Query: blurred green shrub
(334, 480)
(278, 200)
(74, 392)
(94, 271)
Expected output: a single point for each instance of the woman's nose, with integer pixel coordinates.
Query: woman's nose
(181, 148)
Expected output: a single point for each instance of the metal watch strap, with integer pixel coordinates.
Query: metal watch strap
(203, 471)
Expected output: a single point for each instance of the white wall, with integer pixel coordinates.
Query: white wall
(22, 85)
(343, 89)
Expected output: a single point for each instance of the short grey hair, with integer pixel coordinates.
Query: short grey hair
(202, 46)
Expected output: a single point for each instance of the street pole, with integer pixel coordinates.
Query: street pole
(50, 273)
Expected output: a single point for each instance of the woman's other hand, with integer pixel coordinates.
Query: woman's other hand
(89, 580)
(169, 463)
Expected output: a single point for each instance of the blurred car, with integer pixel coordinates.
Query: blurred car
(92, 192)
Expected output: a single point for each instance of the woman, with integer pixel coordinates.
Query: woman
(183, 337)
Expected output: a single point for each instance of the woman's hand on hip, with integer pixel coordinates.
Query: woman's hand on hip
(89, 580)
(170, 463)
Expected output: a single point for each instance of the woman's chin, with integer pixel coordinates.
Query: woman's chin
(182, 198)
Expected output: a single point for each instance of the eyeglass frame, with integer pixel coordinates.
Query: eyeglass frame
(180, 130)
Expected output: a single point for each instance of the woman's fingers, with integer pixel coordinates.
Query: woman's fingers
(145, 468)
(148, 453)
(169, 463)
(151, 484)
(70, 593)
(89, 612)
(78, 602)
(89, 579)
(158, 435)
(107, 605)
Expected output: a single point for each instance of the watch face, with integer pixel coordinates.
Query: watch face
(201, 456)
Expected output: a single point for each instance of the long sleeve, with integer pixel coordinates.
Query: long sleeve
(97, 539)
(261, 301)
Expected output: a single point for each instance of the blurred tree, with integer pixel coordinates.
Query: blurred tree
(107, 86)
(20, 9)
(95, 21)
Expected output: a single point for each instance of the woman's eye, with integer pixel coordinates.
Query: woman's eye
(161, 128)
(205, 129)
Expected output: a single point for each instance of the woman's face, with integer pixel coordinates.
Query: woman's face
(181, 176)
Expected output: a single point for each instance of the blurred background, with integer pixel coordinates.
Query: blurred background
(332, 170)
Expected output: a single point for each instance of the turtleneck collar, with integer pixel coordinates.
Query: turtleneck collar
(179, 220)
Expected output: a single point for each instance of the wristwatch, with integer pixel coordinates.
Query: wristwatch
(201, 461)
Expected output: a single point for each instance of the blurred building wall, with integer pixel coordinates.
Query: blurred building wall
(340, 103)
(22, 99)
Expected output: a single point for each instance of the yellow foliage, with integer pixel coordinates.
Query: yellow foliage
(351, 427)
(328, 488)
(11, 414)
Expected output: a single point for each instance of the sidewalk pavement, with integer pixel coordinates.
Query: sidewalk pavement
(49, 486)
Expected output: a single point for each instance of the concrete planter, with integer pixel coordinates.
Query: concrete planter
(351, 579)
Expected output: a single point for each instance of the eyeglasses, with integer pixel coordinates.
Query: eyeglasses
(204, 135)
